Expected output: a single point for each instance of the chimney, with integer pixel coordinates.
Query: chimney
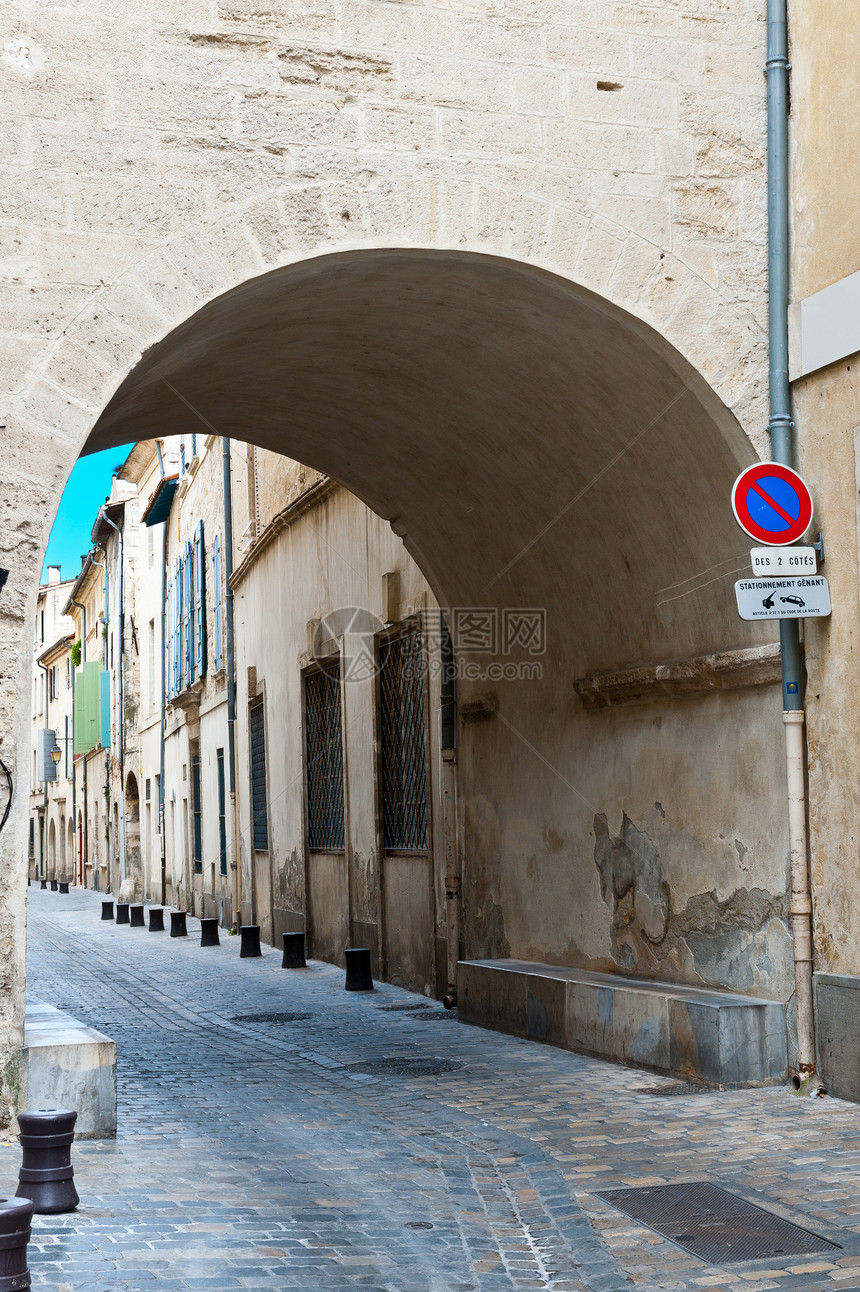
(55, 575)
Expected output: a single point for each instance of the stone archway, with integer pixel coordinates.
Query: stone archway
(133, 887)
(535, 446)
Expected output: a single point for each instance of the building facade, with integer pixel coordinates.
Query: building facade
(51, 842)
(504, 276)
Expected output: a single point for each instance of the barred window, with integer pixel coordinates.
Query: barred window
(259, 787)
(197, 810)
(222, 812)
(402, 739)
(324, 759)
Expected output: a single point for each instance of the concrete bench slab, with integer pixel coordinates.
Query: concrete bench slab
(70, 1065)
(693, 1032)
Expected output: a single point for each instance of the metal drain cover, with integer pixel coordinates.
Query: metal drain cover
(715, 1225)
(409, 1005)
(679, 1088)
(432, 1014)
(404, 1066)
(268, 1018)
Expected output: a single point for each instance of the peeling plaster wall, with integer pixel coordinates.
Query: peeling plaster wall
(687, 884)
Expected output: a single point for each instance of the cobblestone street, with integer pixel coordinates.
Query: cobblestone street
(273, 1153)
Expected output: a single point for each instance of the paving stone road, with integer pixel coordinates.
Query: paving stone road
(271, 1153)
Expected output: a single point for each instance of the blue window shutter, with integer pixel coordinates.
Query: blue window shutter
(216, 560)
(104, 681)
(177, 622)
(200, 597)
(171, 639)
(188, 621)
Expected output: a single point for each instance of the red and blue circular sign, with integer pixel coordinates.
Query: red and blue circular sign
(772, 504)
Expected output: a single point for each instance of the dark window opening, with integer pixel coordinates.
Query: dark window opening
(403, 744)
(259, 788)
(197, 810)
(222, 811)
(324, 760)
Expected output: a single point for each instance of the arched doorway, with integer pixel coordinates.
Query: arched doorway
(52, 850)
(536, 448)
(70, 851)
(134, 878)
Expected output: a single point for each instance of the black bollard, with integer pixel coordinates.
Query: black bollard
(16, 1215)
(136, 919)
(156, 919)
(294, 951)
(250, 934)
(46, 1174)
(64, 885)
(53, 885)
(178, 927)
(122, 912)
(358, 969)
(209, 932)
(43, 883)
(107, 910)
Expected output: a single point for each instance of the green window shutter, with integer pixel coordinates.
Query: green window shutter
(104, 709)
(79, 746)
(88, 708)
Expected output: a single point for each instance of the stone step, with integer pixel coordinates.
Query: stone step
(70, 1065)
(696, 1033)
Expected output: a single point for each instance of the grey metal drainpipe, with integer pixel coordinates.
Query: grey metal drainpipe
(231, 677)
(781, 427)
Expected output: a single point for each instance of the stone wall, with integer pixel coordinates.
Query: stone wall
(162, 153)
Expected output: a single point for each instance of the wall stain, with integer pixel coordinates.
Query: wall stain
(735, 943)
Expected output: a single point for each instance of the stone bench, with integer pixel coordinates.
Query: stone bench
(70, 1065)
(692, 1032)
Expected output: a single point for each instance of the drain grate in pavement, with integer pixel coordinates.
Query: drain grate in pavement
(432, 1014)
(410, 1004)
(269, 1018)
(404, 1066)
(716, 1226)
(680, 1088)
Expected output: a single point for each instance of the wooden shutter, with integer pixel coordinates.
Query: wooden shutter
(216, 561)
(259, 788)
(200, 597)
(187, 626)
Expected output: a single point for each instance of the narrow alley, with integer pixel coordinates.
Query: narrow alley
(278, 1132)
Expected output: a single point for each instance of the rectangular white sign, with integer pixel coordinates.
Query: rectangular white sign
(801, 598)
(770, 562)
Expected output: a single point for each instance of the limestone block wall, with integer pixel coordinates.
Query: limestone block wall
(158, 154)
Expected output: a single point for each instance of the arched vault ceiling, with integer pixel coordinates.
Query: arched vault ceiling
(485, 404)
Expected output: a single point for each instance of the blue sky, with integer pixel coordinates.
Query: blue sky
(86, 490)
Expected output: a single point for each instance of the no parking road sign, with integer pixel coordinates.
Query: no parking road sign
(772, 504)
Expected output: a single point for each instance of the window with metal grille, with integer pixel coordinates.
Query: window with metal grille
(222, 811)
(197, 810)
(259, 788)
(402, 741)
(324, 759)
